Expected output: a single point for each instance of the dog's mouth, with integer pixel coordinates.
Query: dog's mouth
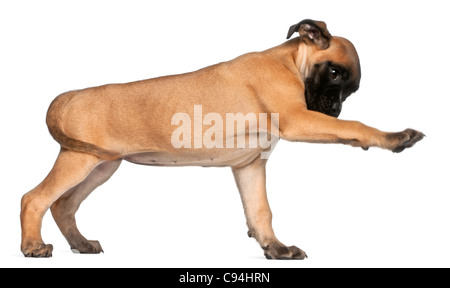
(323, 105)
(333, 112)
(329, 107)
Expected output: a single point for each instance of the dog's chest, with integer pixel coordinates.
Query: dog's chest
(197, 157)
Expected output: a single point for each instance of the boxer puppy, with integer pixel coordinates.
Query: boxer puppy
(293, 91)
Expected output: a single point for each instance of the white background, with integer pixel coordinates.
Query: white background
(344, 206)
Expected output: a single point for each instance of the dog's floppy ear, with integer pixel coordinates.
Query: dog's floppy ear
(315, 32)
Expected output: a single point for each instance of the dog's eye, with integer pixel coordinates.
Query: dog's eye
(334, 73)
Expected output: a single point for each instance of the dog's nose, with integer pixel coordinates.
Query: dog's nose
(336, 108)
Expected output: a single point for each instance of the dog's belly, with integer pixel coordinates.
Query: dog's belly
(207, 158)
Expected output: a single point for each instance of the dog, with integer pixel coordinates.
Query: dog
(293, 91)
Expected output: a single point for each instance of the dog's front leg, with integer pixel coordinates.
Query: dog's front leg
(310, 126)
(251, 182)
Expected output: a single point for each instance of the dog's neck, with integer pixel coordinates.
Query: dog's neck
(301, 60)
(296, 51)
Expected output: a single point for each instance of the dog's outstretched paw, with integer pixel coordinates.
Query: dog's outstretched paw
(404, 139)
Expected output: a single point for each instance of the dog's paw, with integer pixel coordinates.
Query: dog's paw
(38, 250)
(279, 251)
(404, 139)
(89, 247)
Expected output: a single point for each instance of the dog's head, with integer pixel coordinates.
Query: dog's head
(330, 67)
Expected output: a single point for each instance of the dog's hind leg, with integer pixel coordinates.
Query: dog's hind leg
(64, 209)
(251, 181)
(69, 170)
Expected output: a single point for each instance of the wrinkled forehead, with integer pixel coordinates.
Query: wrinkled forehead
(341, 51)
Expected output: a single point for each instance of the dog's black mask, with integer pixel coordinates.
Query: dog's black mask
(327, 87)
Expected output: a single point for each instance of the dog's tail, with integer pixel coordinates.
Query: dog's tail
(53, 123)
